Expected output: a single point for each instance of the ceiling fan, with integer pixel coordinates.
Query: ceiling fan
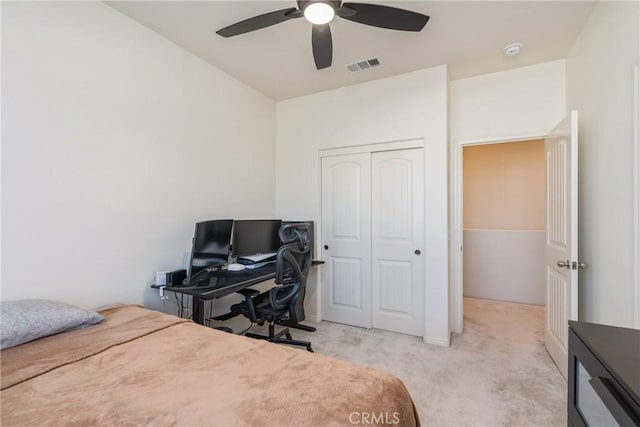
(321, 12)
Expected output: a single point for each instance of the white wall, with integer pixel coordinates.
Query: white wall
(520, 103)
(409, 106)
(115, 141)
(600, 86)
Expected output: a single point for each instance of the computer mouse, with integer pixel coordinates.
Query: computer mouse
(235, 267)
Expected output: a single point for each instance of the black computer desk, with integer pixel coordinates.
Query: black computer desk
(225, 283)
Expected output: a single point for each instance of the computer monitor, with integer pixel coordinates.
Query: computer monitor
(211, 244)
(255, 236)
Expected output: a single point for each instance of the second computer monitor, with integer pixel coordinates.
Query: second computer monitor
(210, 248)
(255, 236)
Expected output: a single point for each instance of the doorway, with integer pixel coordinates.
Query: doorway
(561, 237)
(504, 221)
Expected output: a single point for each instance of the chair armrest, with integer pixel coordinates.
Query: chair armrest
(249, 309)
(279, 296)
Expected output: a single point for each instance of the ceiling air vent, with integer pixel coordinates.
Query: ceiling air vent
(366, 64)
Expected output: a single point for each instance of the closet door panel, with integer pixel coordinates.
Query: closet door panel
(346, 239)
(398, 241)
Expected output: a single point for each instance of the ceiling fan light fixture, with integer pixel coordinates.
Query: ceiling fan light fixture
(319, 13)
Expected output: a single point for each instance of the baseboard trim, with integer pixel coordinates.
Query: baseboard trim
(313, 318)
(438, 341)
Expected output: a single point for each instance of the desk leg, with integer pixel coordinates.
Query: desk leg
(197, 310)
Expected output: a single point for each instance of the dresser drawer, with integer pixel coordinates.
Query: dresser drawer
(596, 397)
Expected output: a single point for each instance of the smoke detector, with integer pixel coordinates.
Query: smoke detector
(513, 49)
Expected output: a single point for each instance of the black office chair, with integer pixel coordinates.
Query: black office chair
(283, 303)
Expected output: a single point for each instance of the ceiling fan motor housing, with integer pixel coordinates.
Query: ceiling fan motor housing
(302, 4)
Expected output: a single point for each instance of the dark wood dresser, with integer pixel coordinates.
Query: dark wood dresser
(604, 375)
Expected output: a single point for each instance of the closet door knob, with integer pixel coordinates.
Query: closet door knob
(417, 252)
(326, 247)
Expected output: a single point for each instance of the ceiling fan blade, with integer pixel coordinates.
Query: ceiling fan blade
(385, 16)
(322, 45)
(258, 22)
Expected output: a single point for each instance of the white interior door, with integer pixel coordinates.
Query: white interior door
(346, 239)
(561, 249)
(398, 241)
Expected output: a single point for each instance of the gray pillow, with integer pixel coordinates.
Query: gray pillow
(27, 320)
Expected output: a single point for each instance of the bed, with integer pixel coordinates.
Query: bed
(141, 367)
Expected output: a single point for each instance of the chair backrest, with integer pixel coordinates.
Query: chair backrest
(292, 265)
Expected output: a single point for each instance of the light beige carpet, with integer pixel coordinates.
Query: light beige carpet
(496, 373)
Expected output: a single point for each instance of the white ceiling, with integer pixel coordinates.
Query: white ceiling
(469, 36)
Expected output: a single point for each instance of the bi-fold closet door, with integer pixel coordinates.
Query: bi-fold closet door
(373, 240)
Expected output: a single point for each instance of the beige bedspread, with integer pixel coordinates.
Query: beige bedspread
(146, 368)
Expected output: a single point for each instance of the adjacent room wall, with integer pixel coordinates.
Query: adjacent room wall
(600, 86)
(504, 221)
(405, 107)
(115, 142)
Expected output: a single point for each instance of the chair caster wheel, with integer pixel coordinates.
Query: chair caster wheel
(310, 349)
(288, 336)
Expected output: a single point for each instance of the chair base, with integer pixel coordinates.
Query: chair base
(277, 338)
(297, 326)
